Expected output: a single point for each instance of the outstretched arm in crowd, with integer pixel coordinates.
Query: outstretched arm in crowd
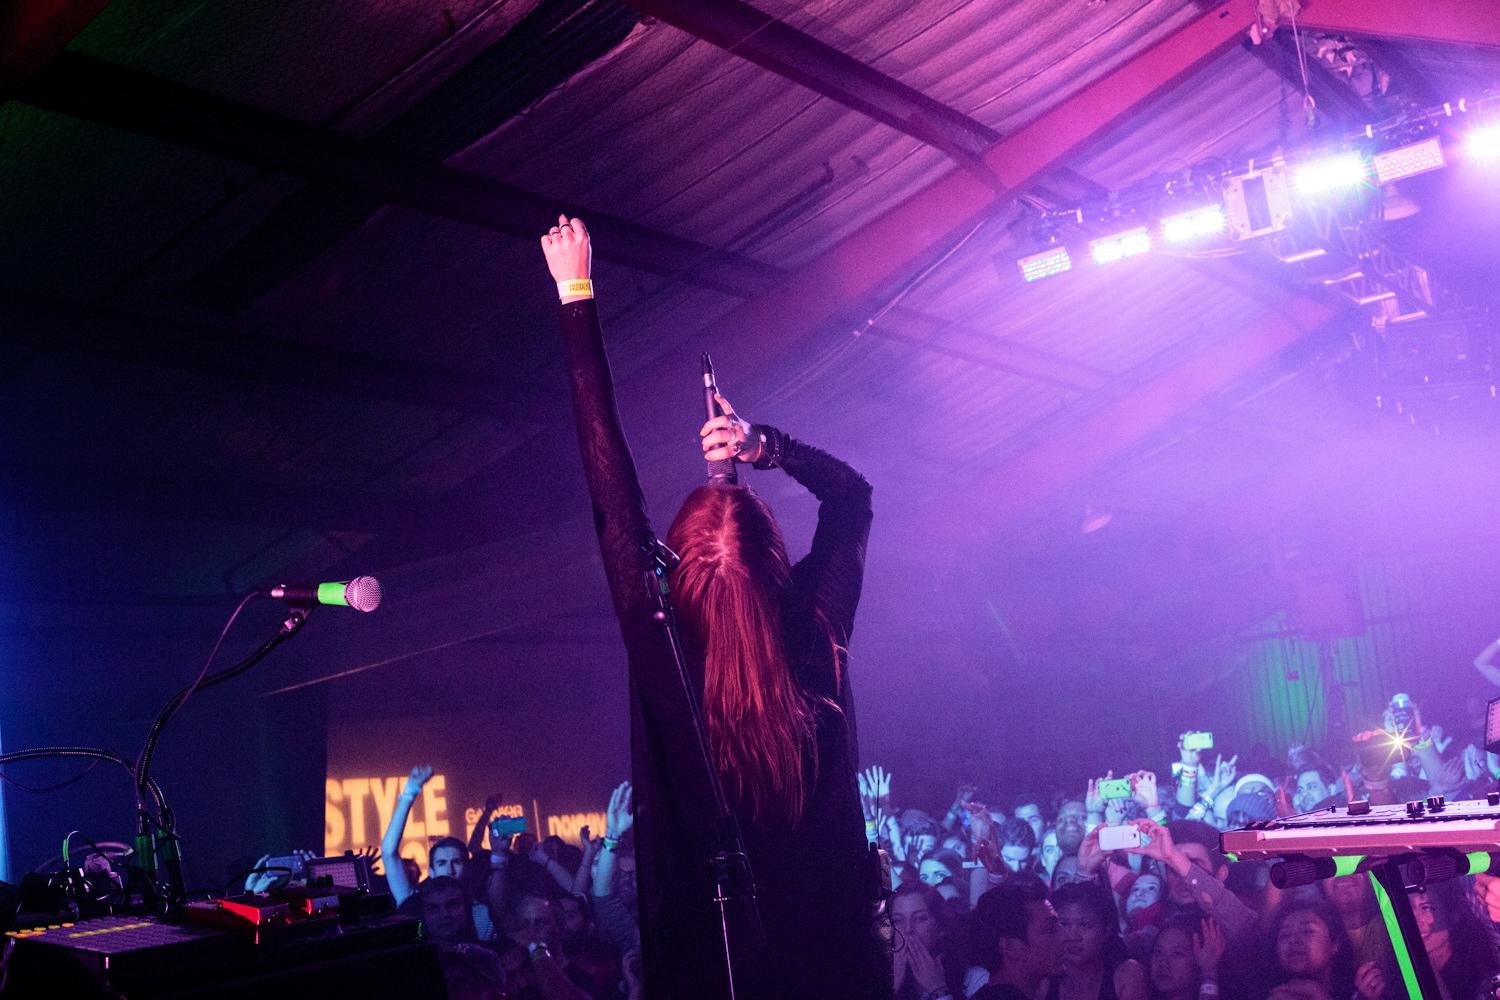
(614, 916)
(1485, 662)
(1207, 886)
(585, 873)
(476, 835)
(390, 844)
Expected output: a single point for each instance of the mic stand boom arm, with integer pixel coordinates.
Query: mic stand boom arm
(733, 879)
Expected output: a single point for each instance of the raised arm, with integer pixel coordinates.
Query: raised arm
(835, 567)
(614, 489)
(1485, 662)
(390, 843)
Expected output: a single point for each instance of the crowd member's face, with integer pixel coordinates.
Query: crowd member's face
(1174, 967)
(1351, 895)
(535, 922)
(445, 915)
(1145, 891)
(1016, 857)
(625, 875)
(447, 861)
(570, 915)
(1051, 853)
(1072, 825)
(1310, 791)
(1424, 906)
(957, 845)
(1067, 871)
(1032, 813)
(933, 872)
(1083, 935)
(914, 920)
(1040, 955)
(1304, 945)
(1177, 886)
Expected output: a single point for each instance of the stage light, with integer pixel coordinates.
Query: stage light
(1131, 243)
(1045, 264)
(1187, 226)
(1331, 173)
(1484, 143)
(1408, 161)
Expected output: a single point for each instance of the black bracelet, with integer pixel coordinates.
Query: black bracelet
(773, 446)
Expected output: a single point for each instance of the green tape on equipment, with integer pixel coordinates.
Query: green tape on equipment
(1398, 942)
(332, 593)
(1346, 864)
(1232, 857)
(1479, 862)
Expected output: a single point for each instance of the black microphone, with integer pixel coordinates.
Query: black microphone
(362, 593)
(720, 473)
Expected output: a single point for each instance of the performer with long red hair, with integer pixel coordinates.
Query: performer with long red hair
(766, 644)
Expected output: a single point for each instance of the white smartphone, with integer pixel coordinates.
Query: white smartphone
(1121, 838)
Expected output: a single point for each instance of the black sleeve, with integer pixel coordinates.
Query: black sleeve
(615, 491)
(835, 568)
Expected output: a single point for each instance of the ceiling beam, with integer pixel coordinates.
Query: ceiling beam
(33, 32)
(895, 245)
(217, 351)
(772, 44)
(108, 495)
(1334, 97)
(122, 98)
(1460, 22)
(1064, 458)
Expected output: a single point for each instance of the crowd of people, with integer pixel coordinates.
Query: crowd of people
(1018, 901)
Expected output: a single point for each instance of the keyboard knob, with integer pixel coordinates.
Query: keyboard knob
(1435, 803)
(1359, 807)
(1415, 807)
(1493, 798)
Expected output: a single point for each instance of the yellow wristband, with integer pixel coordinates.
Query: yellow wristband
(577, 286)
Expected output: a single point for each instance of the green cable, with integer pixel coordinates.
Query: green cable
(1398, 941)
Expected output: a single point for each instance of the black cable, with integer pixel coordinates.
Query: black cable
(41, 753)
(35, 790)
(285, 631)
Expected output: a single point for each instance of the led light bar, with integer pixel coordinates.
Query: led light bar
(1332, 173)
(1045, 264)
(1408, 161)
(1131, 243)
(1187, 226)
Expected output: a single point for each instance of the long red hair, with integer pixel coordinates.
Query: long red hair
(729, 591)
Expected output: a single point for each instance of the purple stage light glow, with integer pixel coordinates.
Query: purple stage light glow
(1131, 243)
(1187, 226)
(1332, 173)
(1483, 143)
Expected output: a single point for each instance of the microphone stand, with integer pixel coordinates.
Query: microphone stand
(733, 879)
(163, 844)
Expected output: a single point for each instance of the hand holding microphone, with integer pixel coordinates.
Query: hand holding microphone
(729, 438)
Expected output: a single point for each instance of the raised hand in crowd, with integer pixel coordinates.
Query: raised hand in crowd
(874, 791)
(1143, 788)
(396, 878)
(619, 817)
(1208, 948)
(953, 819)
(1369, 981)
